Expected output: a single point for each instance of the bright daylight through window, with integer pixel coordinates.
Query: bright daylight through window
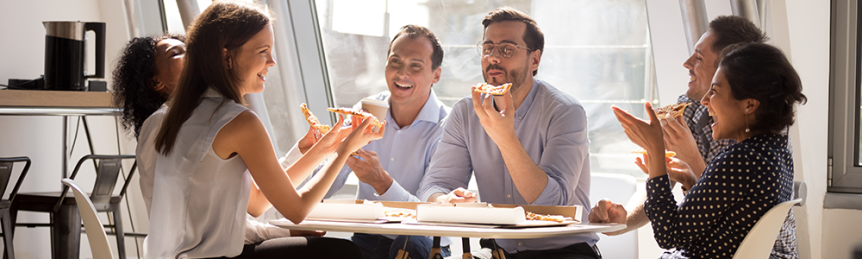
(596, 51)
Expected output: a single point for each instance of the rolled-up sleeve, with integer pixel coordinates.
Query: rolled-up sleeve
(450, 166)
(397, 193)
(565, 159)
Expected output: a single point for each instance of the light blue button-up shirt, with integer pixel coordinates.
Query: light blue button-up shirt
(404, 153)
(552, 127)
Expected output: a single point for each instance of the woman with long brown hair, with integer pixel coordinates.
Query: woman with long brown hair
(208, 139)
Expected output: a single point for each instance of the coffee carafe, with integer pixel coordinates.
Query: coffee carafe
(65, 52)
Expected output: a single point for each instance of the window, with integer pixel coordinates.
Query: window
(845, 158)
(596, 51)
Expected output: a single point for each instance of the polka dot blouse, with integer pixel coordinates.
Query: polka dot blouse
(737, 188)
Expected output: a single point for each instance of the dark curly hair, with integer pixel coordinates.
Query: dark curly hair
(133, 81)
(762, 72)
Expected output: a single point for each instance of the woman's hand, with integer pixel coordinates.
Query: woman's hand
(647, 135)
(679, 171)
(360, 136)
(306, 142)
(332, 139)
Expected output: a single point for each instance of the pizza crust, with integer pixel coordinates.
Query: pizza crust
(671, 111)
(311, 119)
(492, 90)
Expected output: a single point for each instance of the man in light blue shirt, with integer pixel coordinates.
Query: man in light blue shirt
(529, 146)
(391, 168)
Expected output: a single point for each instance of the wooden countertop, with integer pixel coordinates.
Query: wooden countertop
(54, 99)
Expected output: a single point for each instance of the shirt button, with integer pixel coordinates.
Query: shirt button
(391, 159)
(520, 244)
(508, 196)
(520, 117)
(399, 132)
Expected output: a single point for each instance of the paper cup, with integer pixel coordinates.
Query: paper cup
(377, 108)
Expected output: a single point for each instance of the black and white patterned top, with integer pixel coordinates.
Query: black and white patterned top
(699, 122)
(736, 189)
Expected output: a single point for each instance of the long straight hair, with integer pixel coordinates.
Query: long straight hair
(213, 38)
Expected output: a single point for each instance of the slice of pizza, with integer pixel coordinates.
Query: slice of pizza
(492, 90)
(643, 151)
(313, 120)
(358, 113)
(671, 111)
(399, 213)
(543, 217)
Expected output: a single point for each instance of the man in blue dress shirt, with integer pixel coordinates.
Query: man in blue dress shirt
(528, 146)
(391, 168)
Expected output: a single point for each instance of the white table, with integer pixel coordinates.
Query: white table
(441, 230)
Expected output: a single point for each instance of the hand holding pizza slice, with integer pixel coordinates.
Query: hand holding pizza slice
(362, 115)
(313, 119)
(671, 111)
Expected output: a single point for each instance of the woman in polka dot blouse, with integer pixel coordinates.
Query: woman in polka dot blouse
(751, 100)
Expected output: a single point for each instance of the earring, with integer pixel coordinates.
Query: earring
(746, 121)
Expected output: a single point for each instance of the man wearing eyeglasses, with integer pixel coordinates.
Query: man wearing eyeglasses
(528, 146)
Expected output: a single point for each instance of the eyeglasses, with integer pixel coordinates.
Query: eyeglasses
(506, 49)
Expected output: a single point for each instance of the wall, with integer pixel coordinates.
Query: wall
(833, 233)
(22, 56)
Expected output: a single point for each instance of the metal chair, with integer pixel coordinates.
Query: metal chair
(6, 164)
(65, 219)
(95, 231)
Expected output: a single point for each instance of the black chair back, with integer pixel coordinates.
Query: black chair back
(6, 164)
(107, 172)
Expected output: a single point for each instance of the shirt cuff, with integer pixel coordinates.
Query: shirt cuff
(291, 157)
(550, 195)
(424, 196)
(397, 193)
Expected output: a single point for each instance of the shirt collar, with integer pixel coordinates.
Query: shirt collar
(430, 112)
(212, 93)
(525, 106)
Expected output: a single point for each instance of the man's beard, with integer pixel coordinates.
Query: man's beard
(512, 76)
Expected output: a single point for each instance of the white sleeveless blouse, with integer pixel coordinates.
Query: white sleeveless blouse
(199, 200)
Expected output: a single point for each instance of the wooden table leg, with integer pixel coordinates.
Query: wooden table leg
(465, 245)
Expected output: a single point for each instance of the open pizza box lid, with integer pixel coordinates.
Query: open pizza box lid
(347, 209)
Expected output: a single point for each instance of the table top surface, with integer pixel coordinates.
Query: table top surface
(407, 228)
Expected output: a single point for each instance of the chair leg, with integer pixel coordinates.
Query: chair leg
(66, 231)
(118, 230)
(7, 234)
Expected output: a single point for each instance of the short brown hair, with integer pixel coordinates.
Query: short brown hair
(533, 36)
(733, 30)
(762, 72)
(415, 31)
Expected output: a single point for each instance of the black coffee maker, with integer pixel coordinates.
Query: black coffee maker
(65, 52)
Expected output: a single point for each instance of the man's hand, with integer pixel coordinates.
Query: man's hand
(459, 195)
(499, 125)
(370, 171)
(606, 211)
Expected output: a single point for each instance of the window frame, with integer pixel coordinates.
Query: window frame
(843, 173)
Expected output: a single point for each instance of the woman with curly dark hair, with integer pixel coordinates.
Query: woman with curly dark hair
(145, 75)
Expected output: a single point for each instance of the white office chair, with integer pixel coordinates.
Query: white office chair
(95, 231)
(618, 188)
(759, 241)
